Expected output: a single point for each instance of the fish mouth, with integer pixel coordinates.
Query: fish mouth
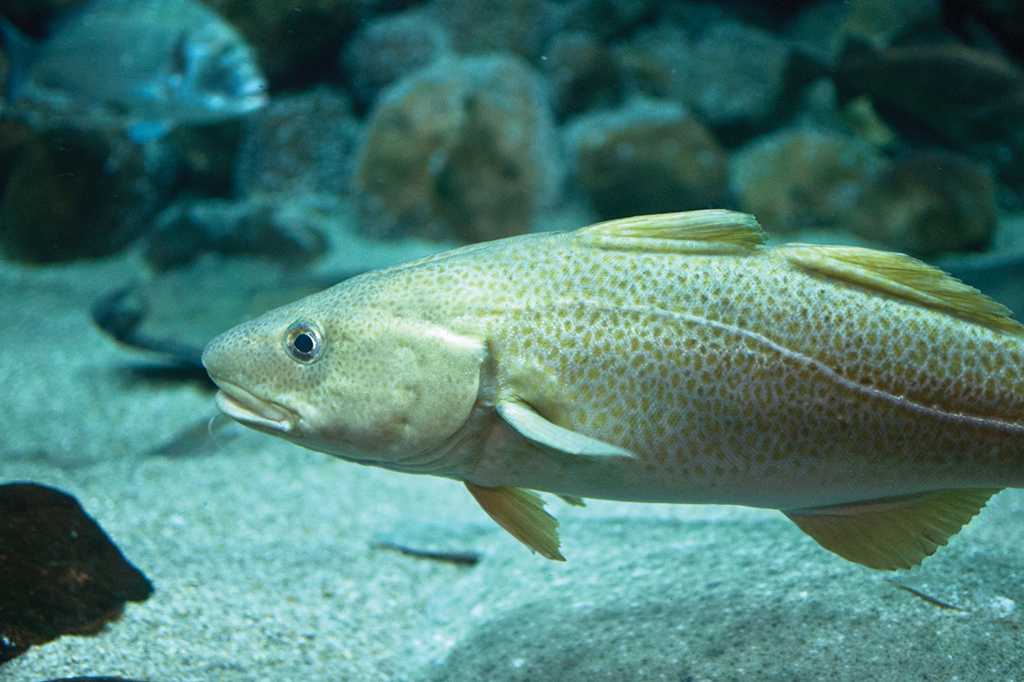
(262, 415)
(251, 101)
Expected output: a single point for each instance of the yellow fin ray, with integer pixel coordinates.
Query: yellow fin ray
(895, 532)
(903, 277)
(710, 232)
(521, 513)
(543, 433)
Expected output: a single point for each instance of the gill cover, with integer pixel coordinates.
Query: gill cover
(387, 388)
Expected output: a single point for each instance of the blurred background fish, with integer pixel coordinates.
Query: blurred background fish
(145, 65)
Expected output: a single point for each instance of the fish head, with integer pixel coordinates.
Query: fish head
(363, 384)
(215, 72)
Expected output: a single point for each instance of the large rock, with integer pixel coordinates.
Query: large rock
(738, 76)
(733, 599)
(648, 157)
(463, 148)
(295, 39)
(36, 17)
(259, 226)
(880, 21)
(300, 144)
(732, 75)
(389, 48)
(522, 27)
(929, 203)
(583, 72)
(59, 572)
(606, 18)
(802, 178)
(76, 194)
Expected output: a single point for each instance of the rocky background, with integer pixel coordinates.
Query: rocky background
(901, 123)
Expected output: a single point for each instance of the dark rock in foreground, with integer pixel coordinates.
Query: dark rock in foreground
(59, 572)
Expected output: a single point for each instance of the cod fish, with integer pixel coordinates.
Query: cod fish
(873, 399)
(145, 65)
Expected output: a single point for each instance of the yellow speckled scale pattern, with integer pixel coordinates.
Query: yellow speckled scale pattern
(737, 377)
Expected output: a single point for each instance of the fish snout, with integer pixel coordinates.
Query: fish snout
(254, 412)
(220, 358)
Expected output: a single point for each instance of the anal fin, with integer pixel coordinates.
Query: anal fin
(521, 513)
(894, 532)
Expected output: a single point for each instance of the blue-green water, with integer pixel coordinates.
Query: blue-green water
(395, 130)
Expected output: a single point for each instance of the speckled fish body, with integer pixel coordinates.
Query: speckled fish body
(658, 359)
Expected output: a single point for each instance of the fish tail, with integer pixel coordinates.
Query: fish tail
(20, 51)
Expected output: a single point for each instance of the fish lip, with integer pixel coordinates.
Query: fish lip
(251, 410)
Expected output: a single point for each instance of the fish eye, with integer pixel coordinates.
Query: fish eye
(304, 342)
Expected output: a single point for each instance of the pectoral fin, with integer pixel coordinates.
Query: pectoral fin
(895, 532)
(521, 513)
(539, 430)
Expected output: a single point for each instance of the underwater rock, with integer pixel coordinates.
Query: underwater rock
(958, 92)
(736, 78)
(300, 144)
(76, 194)
(583, 73)
(819, 30)
(176, 313)
(656, 60)
(37, 15)
(389, 48)
(928, 203)
(731, 75)
(802, 178)
(520, 27)
(463, 148)
(991, 20)
(15, 136)
(606, 19)
(296, 42)
(648, 157)
(204, 158)
(880, 21)
(258, 226)
(689, 600)
(961, 96)
(60, 573)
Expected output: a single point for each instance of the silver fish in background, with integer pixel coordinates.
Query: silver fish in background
(145, 65)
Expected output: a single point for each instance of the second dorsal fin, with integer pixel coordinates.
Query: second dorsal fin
(903, 277)
(699, 232)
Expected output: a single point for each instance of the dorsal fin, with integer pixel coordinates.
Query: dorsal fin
(904, 277)
(700, 232)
